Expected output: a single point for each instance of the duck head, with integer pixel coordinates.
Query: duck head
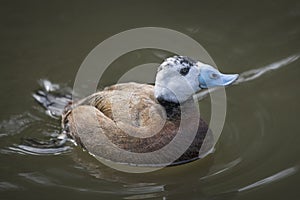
(179, 77)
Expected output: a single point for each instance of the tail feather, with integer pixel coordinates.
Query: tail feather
(52, 101)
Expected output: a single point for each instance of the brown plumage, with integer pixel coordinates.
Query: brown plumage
(140, 124)
(131, 118)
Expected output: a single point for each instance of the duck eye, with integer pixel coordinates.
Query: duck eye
(214, 76)
(184, 71)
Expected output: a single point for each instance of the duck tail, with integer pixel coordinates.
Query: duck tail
(52, 98)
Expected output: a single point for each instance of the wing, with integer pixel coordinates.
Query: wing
(126, 117)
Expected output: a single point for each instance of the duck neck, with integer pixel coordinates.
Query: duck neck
(172, 109)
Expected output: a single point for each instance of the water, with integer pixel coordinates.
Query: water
(257, 155)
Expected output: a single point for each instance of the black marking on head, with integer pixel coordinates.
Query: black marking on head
(184, 71)
(184, 61)
(187, 63)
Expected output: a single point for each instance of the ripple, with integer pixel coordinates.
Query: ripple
(24, 149)
(37, 178)
(280, 175)
(143, 190)
(8, 186)
(143, 196)
(255, 73)
(131, 191)
(17, 123)
(226, 167)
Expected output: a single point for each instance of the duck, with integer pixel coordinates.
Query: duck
(134, 123)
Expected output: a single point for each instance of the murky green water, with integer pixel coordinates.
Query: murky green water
(257, 156)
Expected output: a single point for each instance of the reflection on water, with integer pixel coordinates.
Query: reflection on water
(257, 156)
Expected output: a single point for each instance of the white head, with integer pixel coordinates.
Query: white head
(179, 77)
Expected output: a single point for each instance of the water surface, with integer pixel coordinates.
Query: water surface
(257, 155)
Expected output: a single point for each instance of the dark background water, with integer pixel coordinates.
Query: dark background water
(257, 156)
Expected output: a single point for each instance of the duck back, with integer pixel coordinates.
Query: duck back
(128, 117)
